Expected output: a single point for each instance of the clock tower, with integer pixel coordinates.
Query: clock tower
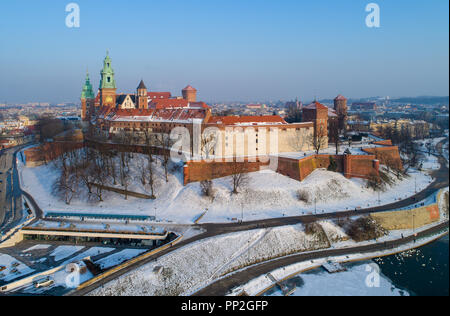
(107, 84)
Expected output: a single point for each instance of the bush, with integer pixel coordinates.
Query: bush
(364, 228)
(207, 188)
(333, 166)
(304, 196)
(313, 229)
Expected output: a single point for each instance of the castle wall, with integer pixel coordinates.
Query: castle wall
(197, 171)
(297, 169)
(42, 154)
(389, 156)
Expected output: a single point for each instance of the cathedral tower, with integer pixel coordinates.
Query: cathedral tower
(340, 106)
(190, 94)
(107, 84)
(142, 96)
(87, 99)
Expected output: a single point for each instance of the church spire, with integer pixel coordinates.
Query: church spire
(107, 80)
(87, 92)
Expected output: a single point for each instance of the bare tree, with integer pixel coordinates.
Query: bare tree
(239, 177)
(124, 172)
(208, 144)
(66, 186)
(335, 135)
(164, 143)
(100, 173)
(318, 139)
(149, 149)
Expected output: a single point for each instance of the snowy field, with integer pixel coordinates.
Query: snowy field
(12, 268)
(118, 258)
(348, 283)
(62, 252)
(63, 255)
(194, 266)
(313, 287)
(428, 148)
(268, 195)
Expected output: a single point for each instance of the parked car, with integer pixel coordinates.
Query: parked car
(44, 282)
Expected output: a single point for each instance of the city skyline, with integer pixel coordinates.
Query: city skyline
(230, 51)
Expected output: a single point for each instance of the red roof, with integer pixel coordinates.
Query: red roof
(159, 95)
(235, 120)
(173, 115)
(189, 88)
(340, 98)
(315, 106)
(133, 112)
(168, 103)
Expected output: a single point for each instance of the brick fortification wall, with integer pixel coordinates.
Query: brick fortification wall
(388, 156)
(386, 142)
(140, 149)
(298, 169)
(196, 171)
(47, 152)
(351, 166)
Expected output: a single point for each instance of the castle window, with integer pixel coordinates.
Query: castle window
(109, 79)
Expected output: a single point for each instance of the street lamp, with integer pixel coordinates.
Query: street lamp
(415, 183)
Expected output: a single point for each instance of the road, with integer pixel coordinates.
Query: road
(10, 195)
(223, 286)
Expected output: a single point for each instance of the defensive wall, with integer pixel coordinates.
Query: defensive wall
(352, 166)
(39, 155)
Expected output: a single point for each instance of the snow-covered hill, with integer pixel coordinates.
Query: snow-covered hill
(268, 195)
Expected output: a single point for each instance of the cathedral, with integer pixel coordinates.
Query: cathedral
(142, 99)
(158, 113)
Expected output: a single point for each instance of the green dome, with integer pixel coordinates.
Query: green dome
(87, 92)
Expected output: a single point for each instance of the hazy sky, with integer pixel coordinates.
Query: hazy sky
(227, 49)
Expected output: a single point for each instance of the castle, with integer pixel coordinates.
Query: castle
(158, 113)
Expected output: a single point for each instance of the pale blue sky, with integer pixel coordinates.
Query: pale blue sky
(227, 49)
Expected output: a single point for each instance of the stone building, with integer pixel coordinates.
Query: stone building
(159, 113)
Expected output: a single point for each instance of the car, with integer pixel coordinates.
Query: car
(44, 282)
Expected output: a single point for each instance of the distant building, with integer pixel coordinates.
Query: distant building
(364, 106)
(340, 107)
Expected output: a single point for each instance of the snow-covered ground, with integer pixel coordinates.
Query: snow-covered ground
(263, 283)
(428, 147)
(12, 268)
(194, 266)
(348, 283)
(91, 252)
(118, 258)
(37, 247)
(268, 195)
(63, 252)
(60, 278)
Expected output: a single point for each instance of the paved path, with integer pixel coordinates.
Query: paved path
(10, 195)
